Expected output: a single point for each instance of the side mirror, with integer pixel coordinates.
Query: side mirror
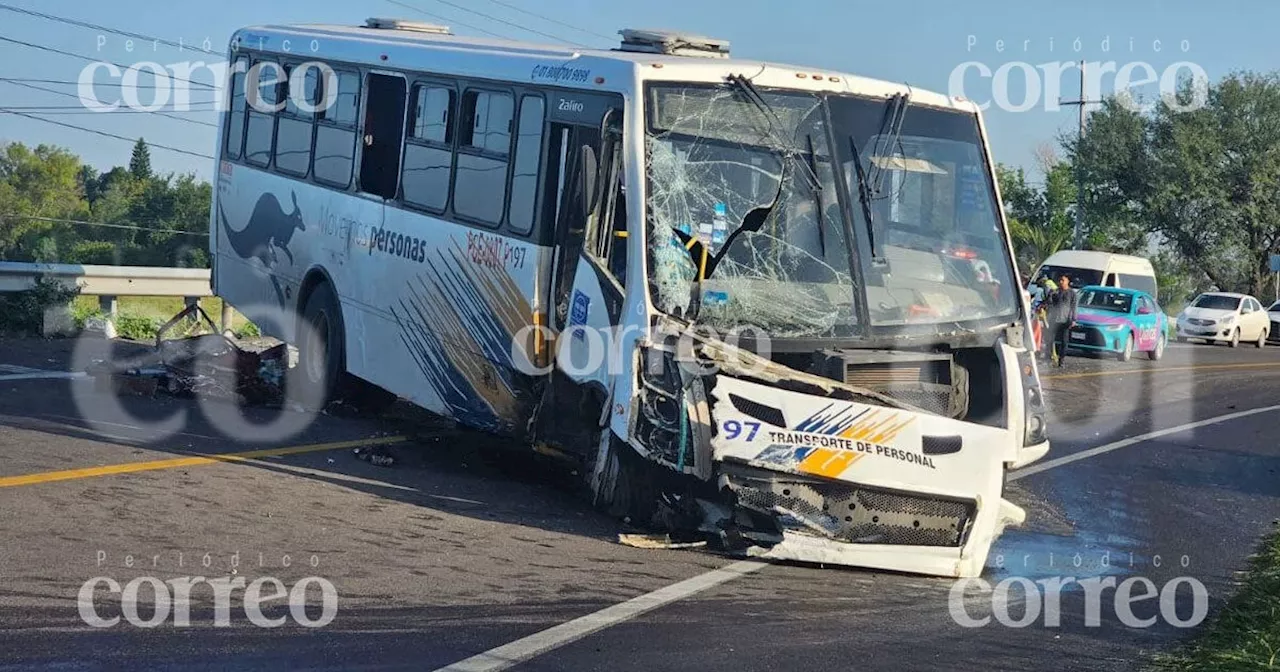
(589, 173)
(1143, 310)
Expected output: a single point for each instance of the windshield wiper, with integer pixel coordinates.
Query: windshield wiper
(890, 135)
(817, 196)
(892, 130)
(864, 197)
(775, 128)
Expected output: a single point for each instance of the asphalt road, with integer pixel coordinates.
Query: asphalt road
(451, 552)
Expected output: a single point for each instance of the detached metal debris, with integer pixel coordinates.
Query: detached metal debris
(209, 365)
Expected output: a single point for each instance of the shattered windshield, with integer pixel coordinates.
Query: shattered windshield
(756, 187)
(935, 215)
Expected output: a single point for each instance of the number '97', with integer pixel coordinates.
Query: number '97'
(733, 429)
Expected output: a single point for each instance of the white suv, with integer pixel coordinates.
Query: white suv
(1223, 317)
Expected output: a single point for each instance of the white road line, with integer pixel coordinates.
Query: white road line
(1125, 443)
(13, 368)
(516, 652)
(508, 655)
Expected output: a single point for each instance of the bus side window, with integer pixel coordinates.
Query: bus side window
(235, 118)
(295, 128)
(1111, 280)
(484, 146)
(259, 140)
(524, 173)
(428, 153)
(336, 130)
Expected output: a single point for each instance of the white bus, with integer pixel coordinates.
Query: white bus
(816, 340)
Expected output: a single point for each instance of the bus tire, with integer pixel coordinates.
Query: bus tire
(632, 496)
(321, 346)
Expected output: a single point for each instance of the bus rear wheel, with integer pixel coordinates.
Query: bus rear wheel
(320, 348)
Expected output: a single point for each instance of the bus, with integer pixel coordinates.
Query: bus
(772, 305)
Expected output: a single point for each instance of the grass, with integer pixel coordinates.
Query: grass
(1245, 635)
(140, 317)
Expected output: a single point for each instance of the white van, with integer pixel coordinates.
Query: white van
(1087, 267)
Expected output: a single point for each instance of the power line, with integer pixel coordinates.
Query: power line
(437, 17)
(84, 112)
(105, 29)
(93, 60)
(71, 82)
(509, 23)
(72, 95)
(105, 134)
(555, 21)
(130, 227)
(83, 108)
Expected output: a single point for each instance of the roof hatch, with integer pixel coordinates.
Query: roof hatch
(673, 43)
(401, 24)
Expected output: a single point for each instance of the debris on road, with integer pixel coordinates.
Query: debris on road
(658, 541)
(209, 365)
(374, 456)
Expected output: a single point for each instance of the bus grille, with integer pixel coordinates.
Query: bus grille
(854, 514)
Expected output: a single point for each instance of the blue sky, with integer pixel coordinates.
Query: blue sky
(921, 43)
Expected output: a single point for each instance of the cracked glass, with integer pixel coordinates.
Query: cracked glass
(757, 188)
(756, 184)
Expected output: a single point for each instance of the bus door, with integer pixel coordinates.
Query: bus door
(584, 290)
(590, 253)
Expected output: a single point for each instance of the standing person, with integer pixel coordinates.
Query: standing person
(1062, 316)
(1040, 308)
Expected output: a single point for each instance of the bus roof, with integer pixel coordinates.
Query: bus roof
(417, 47)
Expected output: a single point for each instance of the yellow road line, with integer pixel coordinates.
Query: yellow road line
(1202, 367)
(193, 461)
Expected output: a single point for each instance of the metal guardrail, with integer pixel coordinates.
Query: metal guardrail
(109, 280)
(108, 283)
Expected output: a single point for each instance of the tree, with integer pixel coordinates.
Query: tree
(1115, 164)
(1040, 220)
(38, 187)
(1200, 185)
(50, 203)
(88, 179)
(140, 163)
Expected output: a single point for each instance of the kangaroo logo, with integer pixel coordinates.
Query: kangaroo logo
(270, 228)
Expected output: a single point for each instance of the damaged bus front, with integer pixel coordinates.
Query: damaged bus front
(837, 366)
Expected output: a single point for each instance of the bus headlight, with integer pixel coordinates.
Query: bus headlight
(1035, 429)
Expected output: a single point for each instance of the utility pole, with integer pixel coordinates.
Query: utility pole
(1077, 238)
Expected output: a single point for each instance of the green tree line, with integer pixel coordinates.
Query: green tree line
(1195, 190)
(54, 208)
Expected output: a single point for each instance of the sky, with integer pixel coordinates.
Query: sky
(922, 43)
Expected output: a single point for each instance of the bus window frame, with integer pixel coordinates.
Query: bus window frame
(250, 110)
(540, 234)
(290, 65)
(522, 96)
(354, 127)
(467, 87)
(428, 81)
(232, 74)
